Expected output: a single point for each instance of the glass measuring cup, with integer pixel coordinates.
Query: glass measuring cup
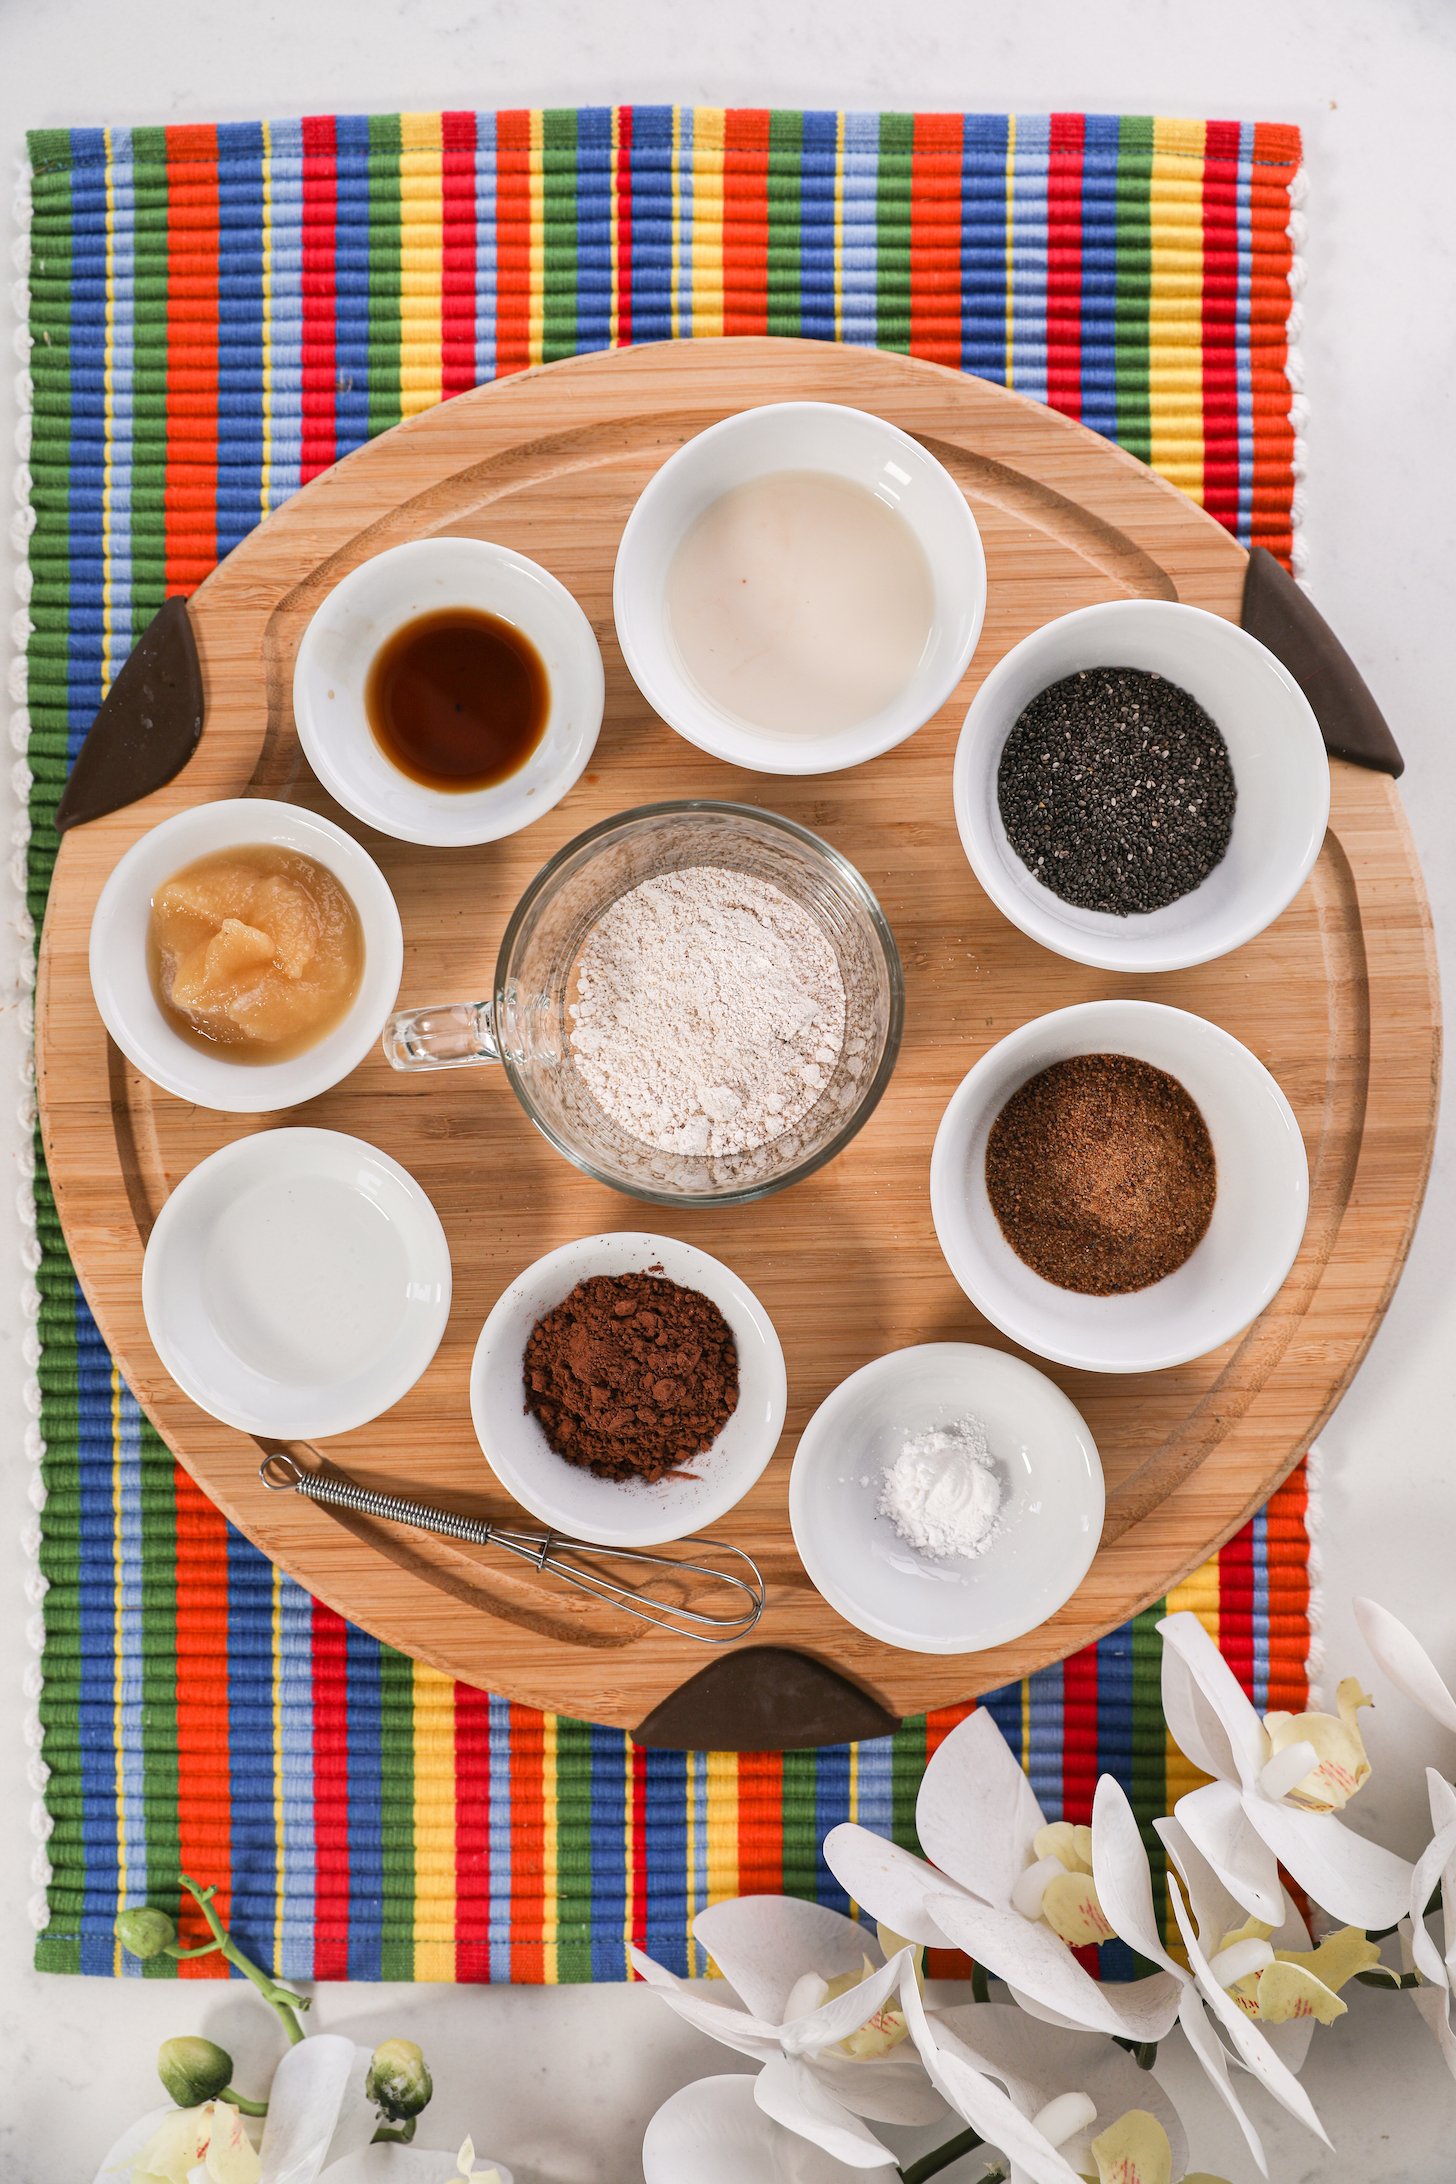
(525, 1026)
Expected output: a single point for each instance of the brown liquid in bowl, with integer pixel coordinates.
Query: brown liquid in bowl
(457, 699)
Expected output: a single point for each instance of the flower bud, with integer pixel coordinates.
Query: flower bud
(399, 2081)
(144, 1932)
(194, 2070)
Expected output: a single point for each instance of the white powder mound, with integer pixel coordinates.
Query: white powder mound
(943, 1493)
(710, 1012)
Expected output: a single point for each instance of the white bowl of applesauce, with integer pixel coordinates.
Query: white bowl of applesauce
(799, 588)
(246, 955)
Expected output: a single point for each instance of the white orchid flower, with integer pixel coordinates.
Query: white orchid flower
(823, 2014)
(210, 2141)
(1205, 1913)
(1276, 1790)
(1015, 1894)
(1058, 2105)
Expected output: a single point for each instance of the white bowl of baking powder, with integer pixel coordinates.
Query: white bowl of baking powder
(1048, 1521)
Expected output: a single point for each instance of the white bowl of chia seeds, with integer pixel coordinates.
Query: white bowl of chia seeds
(1141, 786)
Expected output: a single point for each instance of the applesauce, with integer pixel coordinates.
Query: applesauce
(258, 950)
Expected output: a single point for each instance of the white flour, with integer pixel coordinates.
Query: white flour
(943, 1493)
(710, 1011)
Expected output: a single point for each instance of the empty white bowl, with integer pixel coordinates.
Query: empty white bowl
(1258, 1215)
(1051, 1513)
(121, 978)
(797, 436)
(1281, 775)
(624, 1512)
(365, 609)
(297, 1283)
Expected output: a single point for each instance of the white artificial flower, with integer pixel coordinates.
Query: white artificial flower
(1060, 2106)
(209, 2141)
(1277, 1787)
(319, 2125)
(1015, 1894)
(823, 2015)
(1206, 1914)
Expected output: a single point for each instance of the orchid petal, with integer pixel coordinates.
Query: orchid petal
(890, 1883)
(1036, 1963)
(1406, 1662)
(123, 2151)
(1340, 1766)
(890, 2088)
(1123, 1876)
(1358, 1882)
(787, 2089)
(1218, 1822)
(1287, 1991)
(304, 2101)
(1134, 2150)
(1434, 2005)
(976, 1812)
(984, 2105)
(715, 2133)
(735, 2028)
(1428, 1868)
(760, 1943)
(1216, 1911)
(1338, 1959)
(845, 2013)
(1249, 2044)
(1207, 1709)
(1071, 1846)
(1213, 2059)
(1033, 2060)
(1070, 1907)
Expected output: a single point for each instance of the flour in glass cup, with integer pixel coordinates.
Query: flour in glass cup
(710, 1012)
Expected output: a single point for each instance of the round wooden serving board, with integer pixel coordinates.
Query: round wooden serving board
(1338, 999)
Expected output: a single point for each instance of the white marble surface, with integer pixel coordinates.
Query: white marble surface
(561, 2083)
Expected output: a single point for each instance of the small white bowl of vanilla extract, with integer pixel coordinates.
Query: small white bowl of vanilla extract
(448, 691)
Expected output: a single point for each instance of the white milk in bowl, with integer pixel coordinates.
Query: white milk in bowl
(800, 603)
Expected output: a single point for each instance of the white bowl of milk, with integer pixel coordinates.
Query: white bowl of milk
(799, 588)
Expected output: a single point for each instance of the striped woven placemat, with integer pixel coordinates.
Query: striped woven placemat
(216, 314)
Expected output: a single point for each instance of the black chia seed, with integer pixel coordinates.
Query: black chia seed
(1116, 790)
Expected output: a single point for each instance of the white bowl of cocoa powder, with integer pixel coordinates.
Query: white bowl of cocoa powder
(619, 1504)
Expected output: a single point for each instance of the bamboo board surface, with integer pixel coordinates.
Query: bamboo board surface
(1338, 999)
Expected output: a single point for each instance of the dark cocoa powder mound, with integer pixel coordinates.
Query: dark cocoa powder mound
(631, 1375)
(1101, 1173)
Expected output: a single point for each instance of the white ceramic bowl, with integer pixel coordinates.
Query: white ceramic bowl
(297, 1283)
(611, 1512)
(1258, 1216)
(1281, 774)
(121, 980)
(365, 609)
(1051, 1514)
(847, 443)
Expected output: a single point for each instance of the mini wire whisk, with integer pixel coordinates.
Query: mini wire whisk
(547, 1551)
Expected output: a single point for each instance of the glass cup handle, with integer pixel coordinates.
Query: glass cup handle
(447, 1037)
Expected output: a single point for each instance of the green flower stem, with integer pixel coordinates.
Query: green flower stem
(282, 1999)
(394, 2134)
(941, 2157)
(1393, 1982)
(240, 2101)
(980, 1983)
(204, 1948)
(1146, 2054)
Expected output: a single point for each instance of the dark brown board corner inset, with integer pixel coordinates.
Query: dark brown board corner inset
(1286, 619)
(764, 1699)
(149, 724)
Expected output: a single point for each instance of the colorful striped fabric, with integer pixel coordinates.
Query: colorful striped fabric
(216, 314)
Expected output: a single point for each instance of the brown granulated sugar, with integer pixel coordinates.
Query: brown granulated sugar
(632, 1375)
(1101, 1173)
